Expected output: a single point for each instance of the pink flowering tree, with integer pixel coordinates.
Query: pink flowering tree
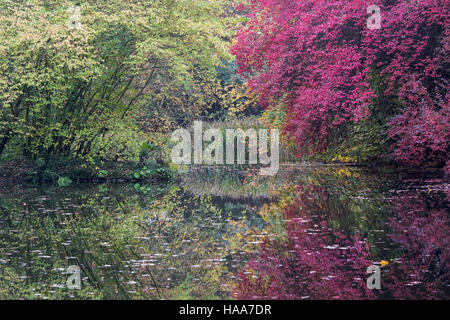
(321, 63)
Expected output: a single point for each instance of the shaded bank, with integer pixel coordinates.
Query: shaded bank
(26, 173)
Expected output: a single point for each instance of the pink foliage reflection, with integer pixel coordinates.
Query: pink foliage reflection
(315, 262)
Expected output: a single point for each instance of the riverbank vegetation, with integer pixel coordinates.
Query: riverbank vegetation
(89, 90)
(346, 90)
(97, 83)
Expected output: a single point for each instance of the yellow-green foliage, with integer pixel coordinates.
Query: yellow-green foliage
(70, 89)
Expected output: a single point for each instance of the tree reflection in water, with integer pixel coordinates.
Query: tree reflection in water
(309, 233)
(315, 260)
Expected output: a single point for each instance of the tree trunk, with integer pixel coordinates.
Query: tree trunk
(3, 143)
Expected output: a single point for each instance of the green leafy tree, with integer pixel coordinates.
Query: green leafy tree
(73, 78)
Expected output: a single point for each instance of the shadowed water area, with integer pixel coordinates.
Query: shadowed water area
(310, 232)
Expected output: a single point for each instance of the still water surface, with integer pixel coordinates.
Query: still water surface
(311, 232)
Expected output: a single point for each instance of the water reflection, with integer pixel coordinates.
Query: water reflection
(329, 241)
(420, 228)
(128, 245)
(308, 233)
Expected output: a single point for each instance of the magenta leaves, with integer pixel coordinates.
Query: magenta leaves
(318, 58)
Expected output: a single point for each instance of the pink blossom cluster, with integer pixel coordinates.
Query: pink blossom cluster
(318, 60)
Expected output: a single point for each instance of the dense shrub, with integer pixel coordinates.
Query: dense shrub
(422, 135)
(320, 60)
(72, 85)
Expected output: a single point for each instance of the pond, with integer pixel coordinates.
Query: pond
(311, 232)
